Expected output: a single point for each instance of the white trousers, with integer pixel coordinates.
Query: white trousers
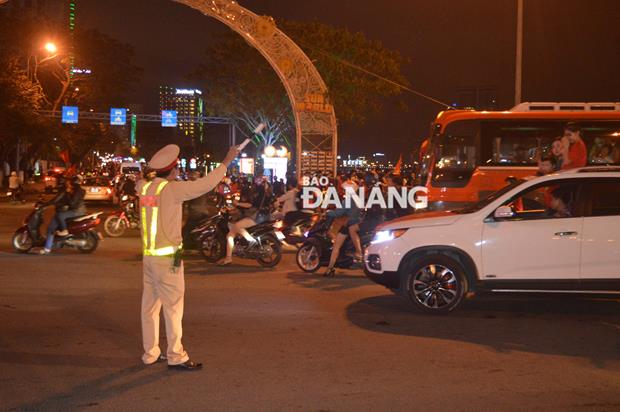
(163, 288)
(237, 228)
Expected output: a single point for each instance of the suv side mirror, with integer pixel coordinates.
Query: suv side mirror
(503, 212)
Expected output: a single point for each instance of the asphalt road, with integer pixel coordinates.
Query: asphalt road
(283, 340)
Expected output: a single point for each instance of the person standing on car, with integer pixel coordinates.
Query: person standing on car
(161, 210)
(575, 151)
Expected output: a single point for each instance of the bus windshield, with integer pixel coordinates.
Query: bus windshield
(455, 154)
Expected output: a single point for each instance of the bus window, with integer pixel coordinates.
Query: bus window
(456, 154)
(602, 140)
(517, 143)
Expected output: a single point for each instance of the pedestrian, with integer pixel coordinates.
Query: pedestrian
(161, 204)
(15, 186)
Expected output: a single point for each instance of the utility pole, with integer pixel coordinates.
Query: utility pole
(519, 53)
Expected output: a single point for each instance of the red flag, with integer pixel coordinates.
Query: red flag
(398, 166)
(64, 156)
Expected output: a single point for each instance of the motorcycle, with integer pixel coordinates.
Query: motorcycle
(16, 195)
(82, 233)
(264, 247)
(317, 247)
(293, 231)
(126, 217)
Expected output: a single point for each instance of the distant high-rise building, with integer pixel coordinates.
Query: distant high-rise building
(187, 103)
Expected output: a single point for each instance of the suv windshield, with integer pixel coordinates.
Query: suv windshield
(484, 202)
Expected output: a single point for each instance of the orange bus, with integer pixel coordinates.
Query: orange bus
(470, 154)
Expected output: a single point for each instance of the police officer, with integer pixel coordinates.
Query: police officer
(161, 203)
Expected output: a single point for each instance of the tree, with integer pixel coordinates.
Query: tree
(30, 81)
(112, 75)
(240, 84)
(20, 97)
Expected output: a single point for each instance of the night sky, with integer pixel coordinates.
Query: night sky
(571, 50)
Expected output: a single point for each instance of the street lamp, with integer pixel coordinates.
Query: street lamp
(270, 151)
(50, 47)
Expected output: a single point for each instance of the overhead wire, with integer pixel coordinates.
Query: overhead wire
(378, 76)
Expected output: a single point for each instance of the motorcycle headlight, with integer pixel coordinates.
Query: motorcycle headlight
(387, 235)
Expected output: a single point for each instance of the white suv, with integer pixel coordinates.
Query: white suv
(555, 233)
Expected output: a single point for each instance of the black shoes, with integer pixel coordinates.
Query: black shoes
(187, 366)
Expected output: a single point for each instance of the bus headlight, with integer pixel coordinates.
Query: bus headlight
(387, 235)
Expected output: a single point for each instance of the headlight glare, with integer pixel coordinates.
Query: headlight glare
(387, 235)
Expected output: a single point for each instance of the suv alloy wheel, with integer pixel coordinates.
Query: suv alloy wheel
(434, 283)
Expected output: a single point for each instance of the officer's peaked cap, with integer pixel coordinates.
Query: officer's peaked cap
(166, 158)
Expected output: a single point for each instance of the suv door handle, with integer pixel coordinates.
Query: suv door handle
(565, 233)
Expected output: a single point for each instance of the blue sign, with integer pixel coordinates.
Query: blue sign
(169, 118)
(70, 114)
(118, 117)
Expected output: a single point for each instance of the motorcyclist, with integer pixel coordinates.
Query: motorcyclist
(15, 187)
(262, 200)
(196, 210)
(242, 216)
(69, 203)
(289, 202)
(129, 186)
(350, 228)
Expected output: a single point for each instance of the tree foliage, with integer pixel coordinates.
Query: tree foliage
(240, 83)
(31, 80)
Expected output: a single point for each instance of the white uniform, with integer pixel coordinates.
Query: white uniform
(164, 286)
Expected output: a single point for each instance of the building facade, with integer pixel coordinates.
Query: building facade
(188, 104)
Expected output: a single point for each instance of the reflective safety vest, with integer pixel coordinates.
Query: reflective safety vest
(149, 236)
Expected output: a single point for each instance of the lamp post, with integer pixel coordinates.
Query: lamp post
(519, 53)
(52, 49)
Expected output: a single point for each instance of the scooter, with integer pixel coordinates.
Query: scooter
(294, 229)
(317, 248)
(16, 195)
(126, 217)
(264, 245)
(82, 233)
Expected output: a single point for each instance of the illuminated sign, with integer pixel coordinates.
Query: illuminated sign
(81, 71)
(188, 91)
(246, 166)
(118, 117)
(70, 114)
(169, 118)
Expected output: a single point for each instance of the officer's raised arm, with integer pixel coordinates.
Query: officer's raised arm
(192, 189)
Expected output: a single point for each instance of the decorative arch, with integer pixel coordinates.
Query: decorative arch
(315, 119)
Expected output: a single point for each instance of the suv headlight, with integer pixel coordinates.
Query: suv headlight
(386, 235)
